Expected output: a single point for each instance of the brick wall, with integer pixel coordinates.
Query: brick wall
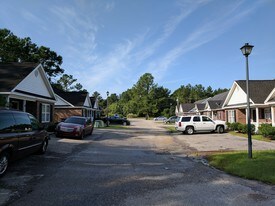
(64, 113)
(241, 116)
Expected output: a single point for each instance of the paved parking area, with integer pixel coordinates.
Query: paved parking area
(221, 142)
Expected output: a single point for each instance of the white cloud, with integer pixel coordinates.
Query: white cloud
(204, 33)
(110, 6)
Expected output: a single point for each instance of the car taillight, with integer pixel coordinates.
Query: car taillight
(179, 124)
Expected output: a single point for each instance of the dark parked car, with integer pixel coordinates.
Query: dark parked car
(20, 134)
(116, 120)
(75, 126)
(160, 118)
(171, 120)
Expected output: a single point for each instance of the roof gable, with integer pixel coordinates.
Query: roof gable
(25, 78)
(62, 102)
(271, 97)
(236, 96)
(186, 107)
(11, 74)
(37, 83)
(77, 99)
(258, 89)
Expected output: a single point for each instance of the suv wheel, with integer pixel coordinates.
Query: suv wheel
(220, 129)
(189, 130)
(4, 162)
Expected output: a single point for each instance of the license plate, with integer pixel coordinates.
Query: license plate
(66, 129)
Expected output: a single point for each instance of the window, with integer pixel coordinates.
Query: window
(7, 123)
(23, 123)
(267, 113)
(196, 119)
(231, 116)
(46, 113)
(206, 119)
(185, 119)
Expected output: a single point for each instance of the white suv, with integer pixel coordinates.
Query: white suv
(199, 123)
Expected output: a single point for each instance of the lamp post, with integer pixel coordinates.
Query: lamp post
(246, 50)
(107, 123)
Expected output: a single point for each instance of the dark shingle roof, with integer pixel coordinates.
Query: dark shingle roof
(93, 101)
(217, 101)
(259, 89)
(202, 101)
(187, 107)
(75, 98)
(200, 106)
(11, 74)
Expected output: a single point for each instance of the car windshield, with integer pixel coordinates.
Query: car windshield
(75, 120)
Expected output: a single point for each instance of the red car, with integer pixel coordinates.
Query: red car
(75, 126)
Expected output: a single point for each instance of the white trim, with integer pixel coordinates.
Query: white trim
(257, 119)
(29, 97)
(231, 92)
(273, 116)
(269, 96)
(63, 100)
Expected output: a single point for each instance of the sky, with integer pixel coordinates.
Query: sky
(107, 45)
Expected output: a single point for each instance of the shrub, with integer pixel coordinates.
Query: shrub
(267, 131)
(235, 126)
(243, 128)
(51, 127)
(131, 115)
(228, 124)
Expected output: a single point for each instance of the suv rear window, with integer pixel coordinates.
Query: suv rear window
(185, 119)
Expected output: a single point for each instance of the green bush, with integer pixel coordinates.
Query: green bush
(243, 128)
(228, 124)
(131, 115)
(267, 131)
(51, 127)
(235, 126)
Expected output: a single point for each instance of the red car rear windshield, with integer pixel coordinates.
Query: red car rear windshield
(75, 120)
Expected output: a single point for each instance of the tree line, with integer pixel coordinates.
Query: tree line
(148, 99)
(144, 99)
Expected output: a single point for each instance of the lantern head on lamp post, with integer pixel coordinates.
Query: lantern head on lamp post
(246, 50)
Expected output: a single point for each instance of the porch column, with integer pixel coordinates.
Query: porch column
(24, 105)
(257, 119)
(8, 102)
(273, 115)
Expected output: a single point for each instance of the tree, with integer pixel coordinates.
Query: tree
(15, 49)
(67, 83)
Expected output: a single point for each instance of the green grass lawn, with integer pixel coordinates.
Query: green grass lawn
(170, 129)
(261, 167)
(255, 136)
